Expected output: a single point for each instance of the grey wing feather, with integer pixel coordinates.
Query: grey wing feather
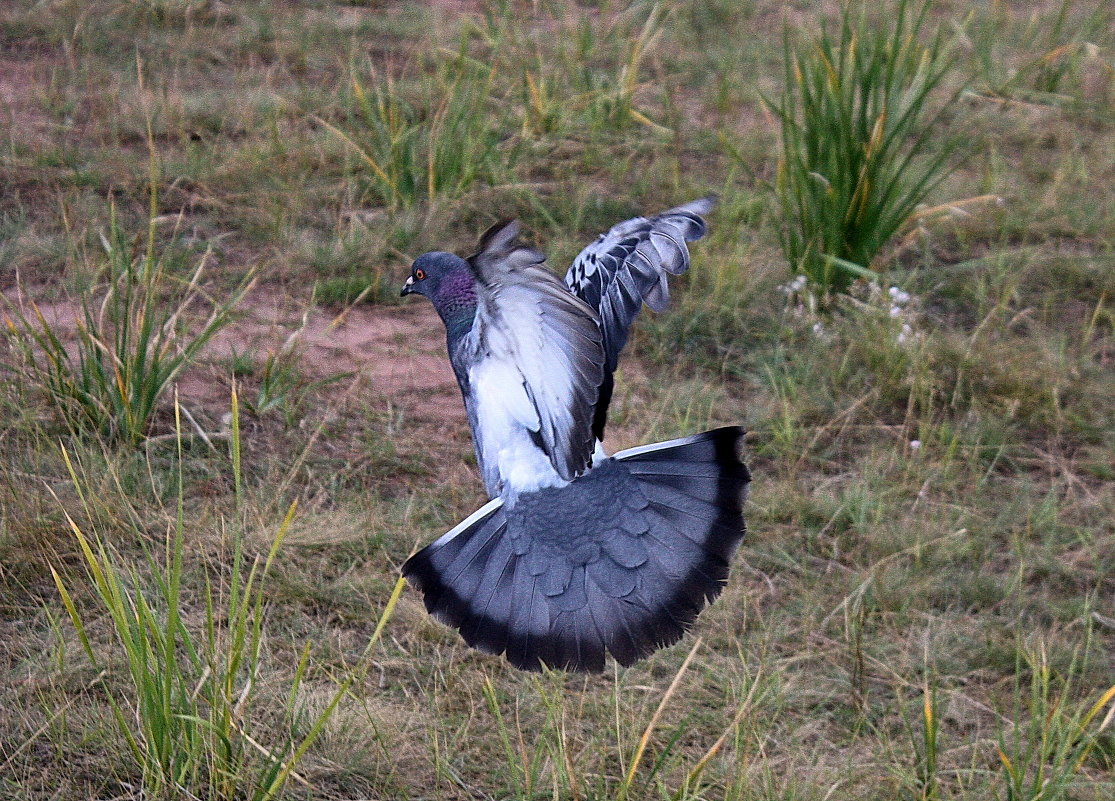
(627, 267)
(530, 327)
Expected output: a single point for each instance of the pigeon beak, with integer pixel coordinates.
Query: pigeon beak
(408, 287)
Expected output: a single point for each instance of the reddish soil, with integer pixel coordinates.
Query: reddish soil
(394, 352)
(399, 352)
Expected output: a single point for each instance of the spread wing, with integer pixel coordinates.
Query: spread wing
(540, 364)
(627, 267)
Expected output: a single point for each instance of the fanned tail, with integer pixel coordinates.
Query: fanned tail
(619, 561)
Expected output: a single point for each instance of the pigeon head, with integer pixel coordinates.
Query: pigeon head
(450, 284)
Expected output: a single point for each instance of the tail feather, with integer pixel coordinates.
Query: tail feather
(621, 634)
(497, 606)
(448, 572)
(677, 470)
(673, 555)
(669, 495)
(717, 540)
(573, 596)
(527, 641)
(619, 561)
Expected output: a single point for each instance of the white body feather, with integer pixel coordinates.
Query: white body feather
(505, 420)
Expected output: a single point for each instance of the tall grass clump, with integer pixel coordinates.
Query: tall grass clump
(858, 147)
(609, 96)
(194, 710)
(434, 137)
(131, 339)
(1053, 737)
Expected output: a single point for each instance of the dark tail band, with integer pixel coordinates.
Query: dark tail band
(619, 561)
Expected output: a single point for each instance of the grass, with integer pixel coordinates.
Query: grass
(189, 711)
(129, 347)
(859, 149)
(922, 609)
(131, 341)
(437, 144)
(1041, 760)
(196, 697)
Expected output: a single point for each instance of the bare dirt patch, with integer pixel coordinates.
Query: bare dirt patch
(397, 352)
(19, 86)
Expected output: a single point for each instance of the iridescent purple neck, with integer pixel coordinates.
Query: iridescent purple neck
(455, 301)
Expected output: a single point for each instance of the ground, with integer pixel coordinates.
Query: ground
(924, 607)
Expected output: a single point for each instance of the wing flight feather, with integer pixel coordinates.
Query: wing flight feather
(533, 327)
(627, 267)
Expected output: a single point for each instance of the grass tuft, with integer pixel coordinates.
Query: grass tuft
(1053, 736)
(131, 342)
(858, 152)
(194, 718)
(417, 143)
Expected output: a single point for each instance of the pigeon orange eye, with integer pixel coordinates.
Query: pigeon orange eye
(420, 274)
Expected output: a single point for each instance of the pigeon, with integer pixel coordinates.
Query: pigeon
(578, 554)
